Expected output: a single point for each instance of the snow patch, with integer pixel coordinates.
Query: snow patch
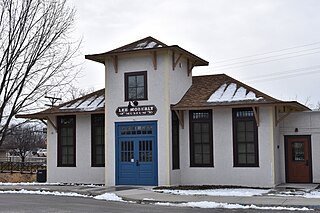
(41, 192)
(109, 197)
(231, 92)
(207, 204)
(218, 192)
(148, 199)
(313, 194)
(89, 104)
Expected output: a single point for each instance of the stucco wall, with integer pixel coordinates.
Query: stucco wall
(223, 172)
(83, 172)
(164, 89)
(307, 123)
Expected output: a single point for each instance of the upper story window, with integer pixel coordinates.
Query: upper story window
(135, 86)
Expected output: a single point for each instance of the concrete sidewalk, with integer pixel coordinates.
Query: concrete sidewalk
(147, 195)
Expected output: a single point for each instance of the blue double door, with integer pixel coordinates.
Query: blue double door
(136, 153)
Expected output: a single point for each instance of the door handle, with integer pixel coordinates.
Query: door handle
(307, 162)
(137, 163)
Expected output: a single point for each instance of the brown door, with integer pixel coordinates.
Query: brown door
(298, 159)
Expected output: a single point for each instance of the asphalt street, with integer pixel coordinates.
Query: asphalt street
(47, 203)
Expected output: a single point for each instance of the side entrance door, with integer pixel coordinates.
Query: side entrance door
(298, 159)
(136, 153)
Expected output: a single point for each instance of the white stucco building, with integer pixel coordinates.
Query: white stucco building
(156, 124)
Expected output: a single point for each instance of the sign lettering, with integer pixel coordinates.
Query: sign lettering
(136, 111)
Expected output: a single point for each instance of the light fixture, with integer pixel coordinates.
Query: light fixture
(135, 103)
(129, 105)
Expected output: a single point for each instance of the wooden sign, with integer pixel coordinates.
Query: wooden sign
(136, 111)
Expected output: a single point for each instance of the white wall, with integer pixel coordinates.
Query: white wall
(223, 172)
(308, 123)
(83, 172)
(165, 87)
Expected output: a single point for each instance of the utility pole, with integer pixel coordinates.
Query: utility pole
(53, 100)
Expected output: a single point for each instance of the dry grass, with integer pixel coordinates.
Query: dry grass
(17, 177)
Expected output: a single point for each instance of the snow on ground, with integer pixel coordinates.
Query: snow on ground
(42, 192)
(206, 204)
(109, 197)
(218, 192)
(106, 196)
(313, 194)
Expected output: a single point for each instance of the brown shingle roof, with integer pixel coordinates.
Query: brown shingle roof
(203, 87)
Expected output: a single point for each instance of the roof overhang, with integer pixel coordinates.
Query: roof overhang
(101, 58)
(284, 106)
(44, 115)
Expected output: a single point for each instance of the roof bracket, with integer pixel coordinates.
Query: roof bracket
(279, 119)
(45, 123)
(256, 115)
(52, 124)
(190, 66)
(154, 59)
(114, 59)
(175, 61)
(180, 116)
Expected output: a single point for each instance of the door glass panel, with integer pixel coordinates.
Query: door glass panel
(145, 151)
(298, 151)
(136, 130)
(127, 152)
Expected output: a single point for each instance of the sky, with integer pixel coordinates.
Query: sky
(271, 45)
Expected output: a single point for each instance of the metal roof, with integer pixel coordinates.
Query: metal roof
(91, 103)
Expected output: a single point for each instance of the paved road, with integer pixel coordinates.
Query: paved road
(47, 203)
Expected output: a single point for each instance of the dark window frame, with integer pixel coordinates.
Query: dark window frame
(200, 120)
(94, 145)
(126, 85)
(175, 141)
(245, 116)
(60, 126)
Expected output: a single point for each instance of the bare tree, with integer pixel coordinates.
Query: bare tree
(35, 54)
(76, 92)
(23, 139)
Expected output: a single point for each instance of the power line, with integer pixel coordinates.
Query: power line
(261, 62)
(284, 74)
(285, 49)
(299, 70)
(257, 59)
